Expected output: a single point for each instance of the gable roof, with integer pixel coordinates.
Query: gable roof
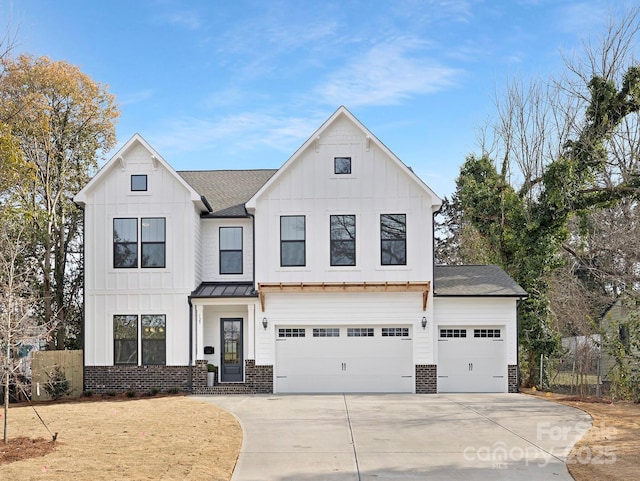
(342, 111)
(227, 190)
(118, 158)
(475, 281)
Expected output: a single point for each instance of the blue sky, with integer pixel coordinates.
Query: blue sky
(215, 84)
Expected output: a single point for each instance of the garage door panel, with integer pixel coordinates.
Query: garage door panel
(344, 364)
(468, 363)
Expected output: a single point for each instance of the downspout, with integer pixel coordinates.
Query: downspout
(190, 383)
(84, 287)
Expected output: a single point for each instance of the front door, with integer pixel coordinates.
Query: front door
(232, 357)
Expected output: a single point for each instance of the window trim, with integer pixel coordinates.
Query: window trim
(146, 182)
(402, 240)
(221, 250)
(136, 339)
(115, 243)
(163, 243)
(333, 241)
(284, 242)
(341, 158)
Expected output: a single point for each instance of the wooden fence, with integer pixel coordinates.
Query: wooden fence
(44, 362)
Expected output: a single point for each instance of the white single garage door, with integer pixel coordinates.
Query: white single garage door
(336, 359)
(472, 359)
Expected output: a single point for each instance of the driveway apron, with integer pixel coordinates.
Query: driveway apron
(410, 437)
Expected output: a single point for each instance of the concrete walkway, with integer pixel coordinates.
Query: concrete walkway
(410, 437)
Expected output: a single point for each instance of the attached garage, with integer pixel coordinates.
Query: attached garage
(472, 359)
(476, 329)
(349, 359)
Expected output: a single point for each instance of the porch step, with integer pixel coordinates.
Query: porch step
(224, 389)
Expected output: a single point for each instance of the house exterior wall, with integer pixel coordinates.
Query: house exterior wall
(210, 258)
(480, 311)
(110, 290)
(308, 186)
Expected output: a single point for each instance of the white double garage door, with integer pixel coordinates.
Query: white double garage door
(336, 359)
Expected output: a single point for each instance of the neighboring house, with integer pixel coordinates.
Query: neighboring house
(614, 326)
(316, 277)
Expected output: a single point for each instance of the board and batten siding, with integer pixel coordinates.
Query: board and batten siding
(349, 309)
(110, 291)
(377, 185)
(479, 311)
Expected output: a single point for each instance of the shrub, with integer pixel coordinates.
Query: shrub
(57, 385)
(87, 393)
(173, 390)
(131, 393)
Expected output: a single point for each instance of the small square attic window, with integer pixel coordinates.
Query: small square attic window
(138, 183)
(342, 165)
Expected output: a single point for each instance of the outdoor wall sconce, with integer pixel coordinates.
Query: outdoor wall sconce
(264, 323)
(424, 323)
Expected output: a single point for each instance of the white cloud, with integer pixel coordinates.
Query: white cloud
(387, 74)
(130, 98)
(184, 18)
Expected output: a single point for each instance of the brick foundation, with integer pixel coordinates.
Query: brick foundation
(426, 378)
(514, 385)
(258, 378)
(103, 379)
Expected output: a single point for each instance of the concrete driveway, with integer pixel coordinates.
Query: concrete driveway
(410, 437)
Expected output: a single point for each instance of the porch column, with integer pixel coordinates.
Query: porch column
(199, 332)
(251, 322)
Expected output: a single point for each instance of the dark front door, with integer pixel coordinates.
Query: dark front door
(232, 358)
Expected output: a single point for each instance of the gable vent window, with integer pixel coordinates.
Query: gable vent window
(138, 183)
(342, 165)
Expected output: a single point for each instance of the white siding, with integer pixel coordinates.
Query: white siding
(211, 250)
(478, 311)
(377, 185)
(112, 291)
(366, 309)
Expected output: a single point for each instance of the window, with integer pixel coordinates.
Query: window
(138, 183)
(486, 333)
(291, 332)
(154, 339)
(230, 250)
(343, 240)
(453, 333)
(342, 165)
(125, 243)
(326, 332)
(153, 242)
(395, 332)
(393, 239)
(360, 332)
(292, 240)
(125, 339)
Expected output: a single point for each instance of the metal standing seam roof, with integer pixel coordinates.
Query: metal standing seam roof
(224, 289)
(475, 280)
(227, 190)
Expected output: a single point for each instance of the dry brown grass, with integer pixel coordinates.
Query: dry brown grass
(168, 438)
(610, 449)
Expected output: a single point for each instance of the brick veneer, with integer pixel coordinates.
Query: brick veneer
(426, 378)
(259, 378)
(102, 379)
(513, 378)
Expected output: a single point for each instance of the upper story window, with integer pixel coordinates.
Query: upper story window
(153, 242)
(125, 242)
(342, 165)
(230, 250)
(343, 240)
(138, 183)
(292, 240)
(393, 239)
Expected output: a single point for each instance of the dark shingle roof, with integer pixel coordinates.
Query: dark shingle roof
(225, 289)
(227, 190)
(488, 280)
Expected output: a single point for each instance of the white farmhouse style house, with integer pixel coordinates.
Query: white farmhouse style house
(316, 277)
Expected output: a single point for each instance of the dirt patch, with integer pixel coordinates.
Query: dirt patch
(157, 438)
(609, 450)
